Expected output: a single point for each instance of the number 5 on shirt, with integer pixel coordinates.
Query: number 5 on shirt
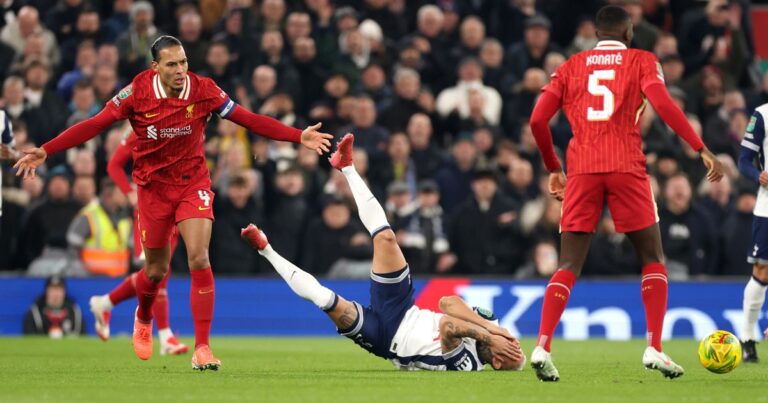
(599, 90)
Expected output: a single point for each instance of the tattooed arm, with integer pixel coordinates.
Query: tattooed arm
(452, 330)
(456, 307)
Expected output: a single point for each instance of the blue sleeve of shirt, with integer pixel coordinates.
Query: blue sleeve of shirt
(6, 130)
(751, 147)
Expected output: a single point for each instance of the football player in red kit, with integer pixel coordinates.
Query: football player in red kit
(603, 93)
(168, 108)
(102, 305)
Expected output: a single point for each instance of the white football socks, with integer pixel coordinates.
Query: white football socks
(368, 208)
(754, 297)
(301, 282)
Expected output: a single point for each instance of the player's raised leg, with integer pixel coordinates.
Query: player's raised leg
(102, 305)
(754, 298)
(343, 313)
(196, 233)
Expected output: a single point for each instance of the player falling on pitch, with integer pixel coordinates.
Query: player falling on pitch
(168, 108)
(392, 327)
(102, 305)
(603, 93)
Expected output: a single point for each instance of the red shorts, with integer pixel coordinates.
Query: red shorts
(162, 205)
(628, 194)
(137, 249)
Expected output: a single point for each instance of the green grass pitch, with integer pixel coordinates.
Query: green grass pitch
(314, 370)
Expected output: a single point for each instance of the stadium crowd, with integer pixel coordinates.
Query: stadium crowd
(438, 95)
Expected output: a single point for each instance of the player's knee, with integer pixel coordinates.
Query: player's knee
(760, 272)
(386, 236)
(155, 272)
(198, 260)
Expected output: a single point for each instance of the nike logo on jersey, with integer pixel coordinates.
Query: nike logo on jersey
(150, 115)
(208, 291)
(201, 208)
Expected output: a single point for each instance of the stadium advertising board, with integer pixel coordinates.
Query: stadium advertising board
(611, 310)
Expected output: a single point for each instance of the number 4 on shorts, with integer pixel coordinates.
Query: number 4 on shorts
(205, 197)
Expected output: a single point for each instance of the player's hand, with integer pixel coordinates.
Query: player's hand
(763, 179)
(501, 346)
(315, 140)
(714, 166)
(30, 162)
(8, 153)
(497, 330)
(133, 199)
(557, 185)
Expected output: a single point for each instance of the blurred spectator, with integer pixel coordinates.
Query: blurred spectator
(492, 58)
(62, 18)
(422, 234)
(736, 235)
(455, 177)
(427, 157)
(297, 25)
(334, 237)
(542, 264)
(718, 133)
(218, 67)
(272, 54)
(610, 253)
(234, 210)
(83, 105)
(27, 25)
(272, 13)
(716, 198)
(12, 100)
(44, 236)
(288, 213)
(407, 88)
(6, 60)
(368, 135)
(311, 76)
(54, 313)
(100, 234)
(471, 37)
(85, 66)
(48, 113)
(520, 104)
(485, 233)
(585, 39)
(373, 82)
(134, 43)
(88, 29)
(535, 46)
(190, 34)
(104, 83)
(84, 189)
(119, 21)
(687, 232)
(645, 33)
(398, 166)
(457, 99)
(714, 36)
(264, 84)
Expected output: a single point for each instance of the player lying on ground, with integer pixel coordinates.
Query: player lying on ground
(392, 327)
(168, 108)
(102, 305)
(603, 94)
(754, 148)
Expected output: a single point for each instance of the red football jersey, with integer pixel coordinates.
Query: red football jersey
(602, 97)
(170, 132)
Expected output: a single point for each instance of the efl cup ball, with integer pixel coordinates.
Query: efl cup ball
(720, 352)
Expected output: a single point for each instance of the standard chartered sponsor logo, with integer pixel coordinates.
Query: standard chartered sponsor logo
(168, 133)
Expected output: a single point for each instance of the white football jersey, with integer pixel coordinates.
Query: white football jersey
(756, 140)
(6, 137)
(417, 345)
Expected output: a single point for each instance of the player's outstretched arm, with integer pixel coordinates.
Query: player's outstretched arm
(659, 97)
(750, 149)
(456, 307)
(275, 130)
(75, 135)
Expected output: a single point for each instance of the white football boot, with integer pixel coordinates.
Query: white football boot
(661, 362)
(101, 307)
(541, 361)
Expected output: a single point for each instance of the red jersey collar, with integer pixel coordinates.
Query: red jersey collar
(157, 88)
(610, 45)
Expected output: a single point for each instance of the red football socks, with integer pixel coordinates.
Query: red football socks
(125, 290)
(202, 295)
(654, 293)
(555, 300)
(160, 309)
(146, 291)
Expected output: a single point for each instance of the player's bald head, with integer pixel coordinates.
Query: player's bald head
(614, 22)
